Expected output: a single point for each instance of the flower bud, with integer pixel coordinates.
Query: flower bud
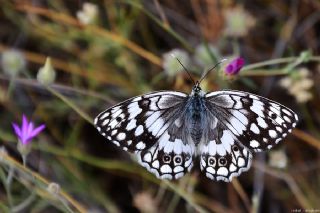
(53, 188)
(12, 62)
(46, 74)
(88, 14)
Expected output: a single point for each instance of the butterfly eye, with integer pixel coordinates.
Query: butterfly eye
(222, 161)
(166, 158)
(177, 159)
(211, 161)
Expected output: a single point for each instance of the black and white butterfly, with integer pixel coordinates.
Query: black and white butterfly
(167, 130)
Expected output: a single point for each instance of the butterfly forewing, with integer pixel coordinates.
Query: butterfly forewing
(137, 123)
(257, 122)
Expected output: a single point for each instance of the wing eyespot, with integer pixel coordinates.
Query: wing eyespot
(235, 148)
(166, 158)
(177, 159)
(212, 161)
(222, 161)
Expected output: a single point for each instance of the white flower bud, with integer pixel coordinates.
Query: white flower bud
(53, 188)
(12, 62)
(46, 74)
(88, 14)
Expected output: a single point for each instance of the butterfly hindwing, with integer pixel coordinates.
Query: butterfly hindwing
(169, 158)
(256, 122)
(225, 160)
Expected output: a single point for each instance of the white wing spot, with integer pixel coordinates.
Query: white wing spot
(116, 143)
(131, 125)
(287, 119)
(254, 128)
(105, 122)
(286, 111)
(272, 133)
(114, 132)
(222, 171)
(165, 169)
(241, 162)
(121, 136)
(137, 98)
(147, 157)
(279, 129)
(155, 164)
(262, 123)
(104, 115)
(257, 107)
(141, 145)
(254, 144)
(139, 130)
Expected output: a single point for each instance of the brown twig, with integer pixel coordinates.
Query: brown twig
(162, 14)
(309, 139)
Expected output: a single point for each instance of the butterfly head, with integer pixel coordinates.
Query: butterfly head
(196, 90)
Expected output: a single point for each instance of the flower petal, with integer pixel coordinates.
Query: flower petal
(30, 128)
(25, 125)
(17, 129)
(234, 66)
(37, 130)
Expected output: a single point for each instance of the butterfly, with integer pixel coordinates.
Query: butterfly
(168, 130)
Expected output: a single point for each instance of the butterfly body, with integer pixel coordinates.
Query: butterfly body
(166, 130)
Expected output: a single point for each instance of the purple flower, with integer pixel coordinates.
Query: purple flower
(234, 66)
(27, 131)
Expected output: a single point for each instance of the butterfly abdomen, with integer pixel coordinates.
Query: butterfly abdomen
(196, 119)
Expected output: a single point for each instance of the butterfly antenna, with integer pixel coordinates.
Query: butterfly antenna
(207, 72)
(185, 69)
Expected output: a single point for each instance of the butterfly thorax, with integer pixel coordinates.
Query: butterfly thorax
(195, 113)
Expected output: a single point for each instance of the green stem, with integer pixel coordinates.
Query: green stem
(7, 185)
(70, 104)
(24, 160)
(20, 207)
(277, 61)
(165, 27)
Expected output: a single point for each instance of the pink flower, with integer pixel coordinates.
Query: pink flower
(234, 66)
(27, 131)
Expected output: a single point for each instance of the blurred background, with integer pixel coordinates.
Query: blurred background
(63, 62)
